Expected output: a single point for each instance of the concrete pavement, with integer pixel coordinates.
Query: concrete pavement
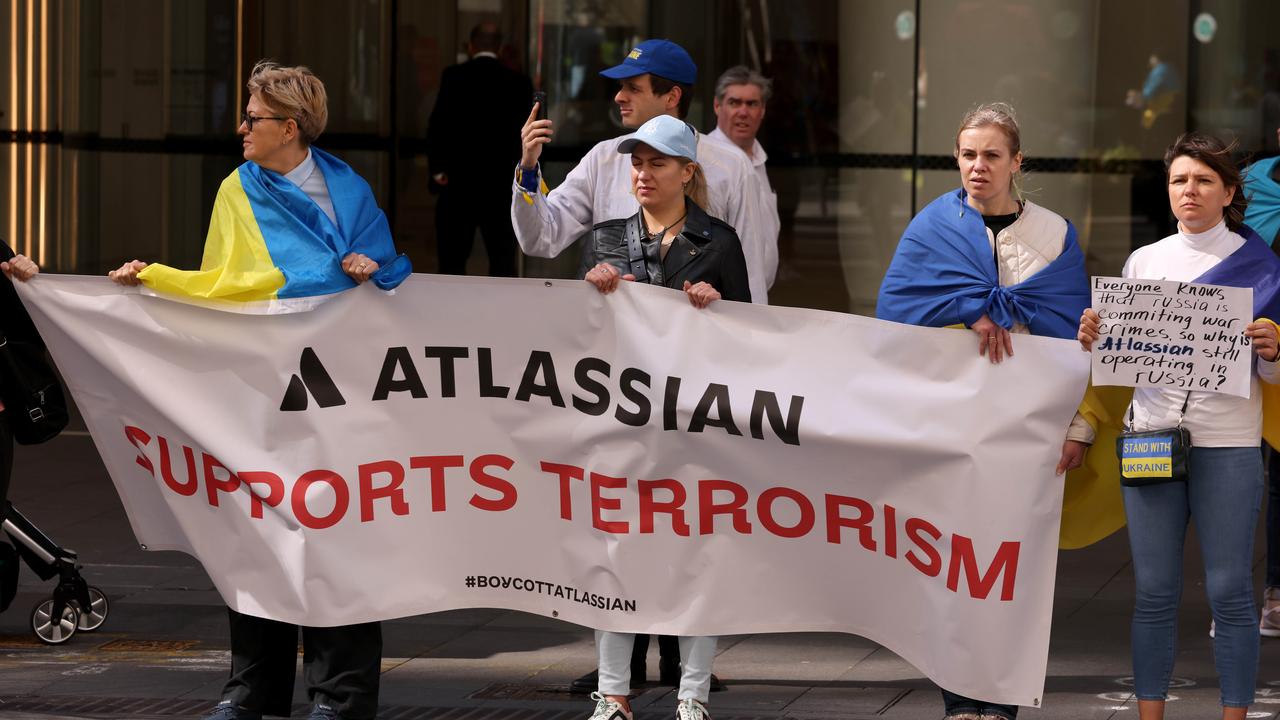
(163, 650)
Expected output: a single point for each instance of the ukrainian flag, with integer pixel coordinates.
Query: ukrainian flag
(269, 241)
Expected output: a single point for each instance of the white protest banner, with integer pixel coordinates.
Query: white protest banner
(625, 462)
(1169, 334)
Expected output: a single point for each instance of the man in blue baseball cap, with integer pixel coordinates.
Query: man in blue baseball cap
(655, 78)
(657, 57)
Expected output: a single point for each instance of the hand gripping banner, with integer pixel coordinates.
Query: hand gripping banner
(624, 462)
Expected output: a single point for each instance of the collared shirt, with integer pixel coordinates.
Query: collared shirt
(1214, 419)
(599, 189)
(757, 157)
(310, 180)
(768, 202)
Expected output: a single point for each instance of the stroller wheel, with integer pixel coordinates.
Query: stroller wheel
(93, 618)
(51, 630)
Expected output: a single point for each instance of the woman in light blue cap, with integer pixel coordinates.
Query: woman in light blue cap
(672, 242)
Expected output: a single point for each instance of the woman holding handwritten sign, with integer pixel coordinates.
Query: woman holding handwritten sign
(1224, 486)
(985, 258)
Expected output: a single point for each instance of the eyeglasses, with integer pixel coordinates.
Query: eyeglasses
(247, 119)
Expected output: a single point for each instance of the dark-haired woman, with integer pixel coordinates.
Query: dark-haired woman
(1224, 492)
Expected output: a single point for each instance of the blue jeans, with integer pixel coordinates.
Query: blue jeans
(1273, 518)
(958, 704)
(1223, 497)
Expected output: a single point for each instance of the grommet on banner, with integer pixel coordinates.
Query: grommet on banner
(547, 283)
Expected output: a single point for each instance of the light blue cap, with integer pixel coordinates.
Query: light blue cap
(668, 135)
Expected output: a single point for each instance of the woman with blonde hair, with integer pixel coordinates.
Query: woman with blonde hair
(988, 259)
(291, 224)
(670, 242)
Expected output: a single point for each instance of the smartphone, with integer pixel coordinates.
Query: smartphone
(541, 98)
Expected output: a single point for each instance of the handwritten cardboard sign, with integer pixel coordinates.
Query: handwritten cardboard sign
(1172, 335)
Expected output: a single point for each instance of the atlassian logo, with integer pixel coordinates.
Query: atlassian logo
(312, 380)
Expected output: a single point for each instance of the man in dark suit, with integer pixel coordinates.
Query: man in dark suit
(473, 145)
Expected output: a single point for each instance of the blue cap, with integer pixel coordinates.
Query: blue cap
(668, 135)
(657, 57)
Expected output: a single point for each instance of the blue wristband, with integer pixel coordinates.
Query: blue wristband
(528, 179)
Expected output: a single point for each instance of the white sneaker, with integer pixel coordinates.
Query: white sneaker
(690, 709)
(607, 709)
(1269, 626)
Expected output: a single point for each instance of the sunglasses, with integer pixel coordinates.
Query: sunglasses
(249, 120)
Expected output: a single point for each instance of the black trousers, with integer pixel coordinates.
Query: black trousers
(6, 456)
(340, 665)
(459, 212)
(668, 647)
(958, 704)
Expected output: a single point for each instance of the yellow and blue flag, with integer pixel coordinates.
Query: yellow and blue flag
(269, 241)
(943, 274)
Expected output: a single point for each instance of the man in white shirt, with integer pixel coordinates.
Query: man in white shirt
(656, 78)
(741, 96)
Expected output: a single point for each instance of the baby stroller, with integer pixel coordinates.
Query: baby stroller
(74, 606)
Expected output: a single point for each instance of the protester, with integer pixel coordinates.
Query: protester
(683, 248)
(1262, 191)
(988, 259)
(742, 95)
(323, 232)
(16, 324)
(656, 78)
(472, 143)
(1224, 489)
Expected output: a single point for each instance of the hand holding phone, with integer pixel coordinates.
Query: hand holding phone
(536, 132)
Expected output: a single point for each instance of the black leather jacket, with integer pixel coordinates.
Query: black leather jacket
(706, 250)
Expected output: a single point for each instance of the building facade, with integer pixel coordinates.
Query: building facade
(117, 117)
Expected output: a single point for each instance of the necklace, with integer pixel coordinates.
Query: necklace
(663, 232)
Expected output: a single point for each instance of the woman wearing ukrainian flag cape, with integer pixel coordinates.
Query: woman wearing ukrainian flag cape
(1223, 492)
(290, 225)
(293, 223)
(984, 258)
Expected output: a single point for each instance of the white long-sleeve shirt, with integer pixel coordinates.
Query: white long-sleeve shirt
(767, 203)
(599, 189)
(1214, 419)
(308, 177)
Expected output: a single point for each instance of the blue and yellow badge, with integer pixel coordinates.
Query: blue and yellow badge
(634, 54)
(1150, 456)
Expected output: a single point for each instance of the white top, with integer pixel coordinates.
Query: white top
(768, 202)
(1024, 248)
(310, 180)
(1214, 419)
(599, 189)
(1028, 245)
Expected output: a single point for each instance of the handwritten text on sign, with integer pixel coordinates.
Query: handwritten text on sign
(1170, 334)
